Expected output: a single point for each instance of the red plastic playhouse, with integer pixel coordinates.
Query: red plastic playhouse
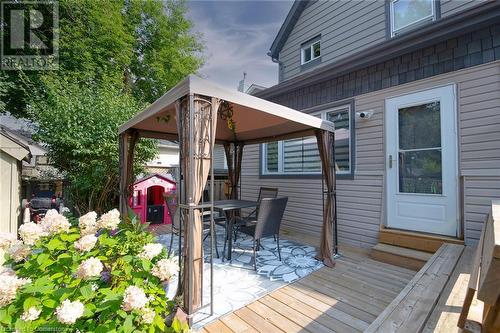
(147, 200)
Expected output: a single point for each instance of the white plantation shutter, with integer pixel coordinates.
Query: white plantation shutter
(301, 156)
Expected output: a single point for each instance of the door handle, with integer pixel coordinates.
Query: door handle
(390, 161)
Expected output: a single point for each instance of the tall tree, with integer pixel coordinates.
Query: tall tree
(79, 124)
(143, 46)
(116, 56)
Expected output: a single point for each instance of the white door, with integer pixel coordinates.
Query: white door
(422, 172)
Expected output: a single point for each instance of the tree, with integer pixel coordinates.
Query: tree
(144, 47)
(79, 124)
(116, 56)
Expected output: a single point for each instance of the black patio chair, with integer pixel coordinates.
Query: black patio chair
(176, 225)
(264, 193)
(268, 224)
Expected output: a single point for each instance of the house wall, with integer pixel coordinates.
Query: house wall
(10, 185)
(346, 27)
(450, 7)
(361, 200)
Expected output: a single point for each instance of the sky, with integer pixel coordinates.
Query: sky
(237, 36)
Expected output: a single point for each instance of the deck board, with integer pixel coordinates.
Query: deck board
(346, 299)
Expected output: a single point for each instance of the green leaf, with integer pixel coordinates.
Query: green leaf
(128, 324)
(30, 302)
(49, 303)
(146, 264)
(40, 259)
(55, 244)
(87, 291)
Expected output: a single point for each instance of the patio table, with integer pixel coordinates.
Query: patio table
(227, 206)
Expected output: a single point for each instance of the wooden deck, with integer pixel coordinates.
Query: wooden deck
(347, 298)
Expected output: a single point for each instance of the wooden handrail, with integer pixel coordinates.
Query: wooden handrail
(485, 275)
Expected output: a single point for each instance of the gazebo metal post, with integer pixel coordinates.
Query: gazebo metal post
(334, 197)
(198, 120)
(190, 224)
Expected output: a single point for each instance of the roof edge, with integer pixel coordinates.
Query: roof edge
(287, 26)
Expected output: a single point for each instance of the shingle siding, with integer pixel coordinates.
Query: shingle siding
(471, 49)
(347, 27)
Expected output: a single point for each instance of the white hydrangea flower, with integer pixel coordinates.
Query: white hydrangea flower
(165, 269)
(148, 315)
(134, 298)
(6, 271)
(88, 224)
(19, 251)
(6, 239)
(30, 232)
(89, 268)
(31, 314)
(68, 312)
(54, 223)
(86, 243)
(110, 220)
(150, 250)
(8, 288)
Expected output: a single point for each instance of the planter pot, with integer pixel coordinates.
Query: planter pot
(170, 287)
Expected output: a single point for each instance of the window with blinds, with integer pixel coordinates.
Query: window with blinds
(301, 156)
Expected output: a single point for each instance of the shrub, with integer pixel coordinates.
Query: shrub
(104, 275)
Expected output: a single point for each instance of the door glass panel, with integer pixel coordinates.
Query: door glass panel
(420, 165)
(419, 126)
(420, 172)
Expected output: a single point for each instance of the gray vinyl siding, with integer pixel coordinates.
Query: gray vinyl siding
(219, 157)
(450, 7)
(346, 27)
(479, 191)
(361, 200)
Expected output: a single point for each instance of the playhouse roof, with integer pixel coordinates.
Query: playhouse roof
(157, 175)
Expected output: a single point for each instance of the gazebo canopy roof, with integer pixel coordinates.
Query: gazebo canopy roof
(256, 120)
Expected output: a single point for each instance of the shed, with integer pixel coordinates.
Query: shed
(12, 153)
(146, 198)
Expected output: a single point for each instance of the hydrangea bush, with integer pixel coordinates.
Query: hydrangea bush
(99, 275)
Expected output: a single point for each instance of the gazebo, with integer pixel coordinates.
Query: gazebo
(198, 114)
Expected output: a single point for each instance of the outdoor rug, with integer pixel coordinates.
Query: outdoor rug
(236, 284)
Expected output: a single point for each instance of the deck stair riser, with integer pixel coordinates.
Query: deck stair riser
(400, 256)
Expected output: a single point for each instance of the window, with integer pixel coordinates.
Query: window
(310, 51)
(408, 13)
(301, 156)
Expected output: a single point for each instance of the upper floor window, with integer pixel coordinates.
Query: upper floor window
(310, 51)
(301, 156)
(408, 13)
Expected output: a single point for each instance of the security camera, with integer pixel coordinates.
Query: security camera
(364, 114)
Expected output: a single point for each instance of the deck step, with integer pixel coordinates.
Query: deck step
(400, 256)
(415, 240)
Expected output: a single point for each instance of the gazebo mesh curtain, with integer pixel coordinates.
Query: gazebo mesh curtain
(197, 137)
(326, 146)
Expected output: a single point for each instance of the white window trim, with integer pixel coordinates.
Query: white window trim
(281, 160)
(310, 47)
(431, 17)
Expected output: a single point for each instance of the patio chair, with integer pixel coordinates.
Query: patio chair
(268, 224)
(264, 193)
(176, 225)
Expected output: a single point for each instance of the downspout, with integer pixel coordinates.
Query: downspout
(280, 64)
